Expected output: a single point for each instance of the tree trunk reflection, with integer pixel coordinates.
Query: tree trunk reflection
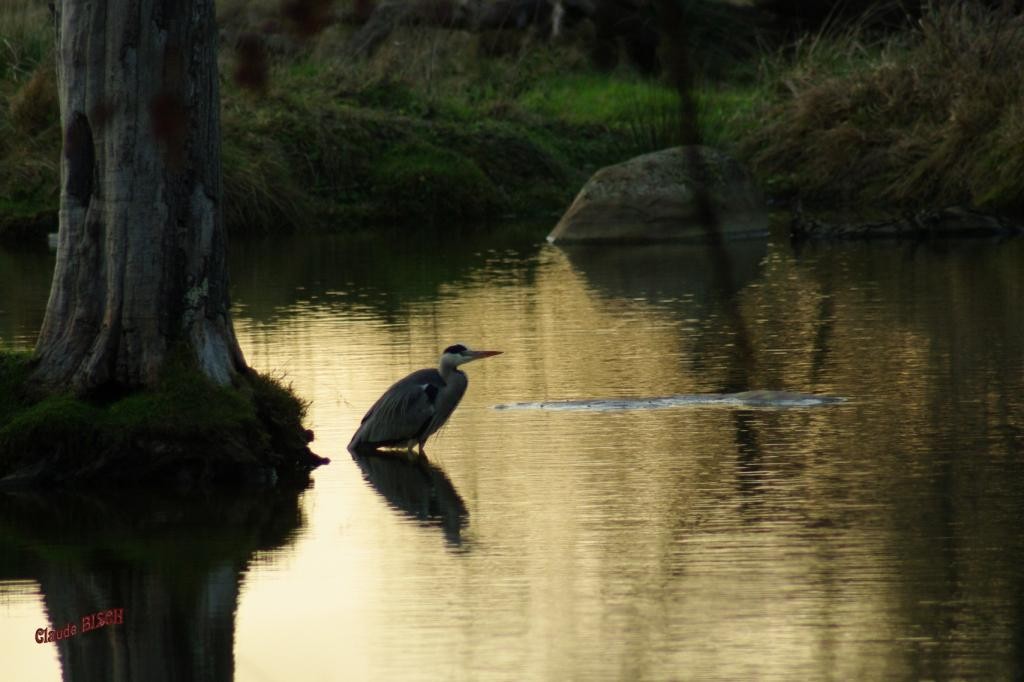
(173, 565)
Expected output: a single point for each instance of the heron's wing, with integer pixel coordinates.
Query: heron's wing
(447, 400)
(403, 412)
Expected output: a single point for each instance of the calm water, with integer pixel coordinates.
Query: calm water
(875, 539)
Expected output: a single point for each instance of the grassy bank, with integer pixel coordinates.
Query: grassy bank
(438, 126)
(931, 116)
(432, 127)
(194, 433)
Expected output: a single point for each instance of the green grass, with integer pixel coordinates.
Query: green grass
(421, 178)
(645, 115)
(593, 98)
(321, 149)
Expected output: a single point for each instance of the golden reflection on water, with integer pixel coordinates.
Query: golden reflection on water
(876, 539)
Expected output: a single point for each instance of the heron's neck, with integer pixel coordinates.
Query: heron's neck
(448, 368)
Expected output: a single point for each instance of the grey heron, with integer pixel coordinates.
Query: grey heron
(415, 407)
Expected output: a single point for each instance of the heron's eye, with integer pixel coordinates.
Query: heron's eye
(457, 349)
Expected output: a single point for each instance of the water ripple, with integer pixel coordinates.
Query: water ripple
(761, 399)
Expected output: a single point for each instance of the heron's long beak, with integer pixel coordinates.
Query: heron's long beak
(477, 354)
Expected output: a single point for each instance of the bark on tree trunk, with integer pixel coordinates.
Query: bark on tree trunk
(141, 257)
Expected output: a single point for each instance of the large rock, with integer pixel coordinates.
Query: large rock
(652, 198)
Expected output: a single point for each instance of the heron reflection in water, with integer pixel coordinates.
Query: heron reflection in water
(414, 408)
(417, 489)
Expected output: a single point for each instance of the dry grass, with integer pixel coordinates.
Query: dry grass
(933, 116)
(29, 128)
(34, 106)
(29, 143)
(26, 37)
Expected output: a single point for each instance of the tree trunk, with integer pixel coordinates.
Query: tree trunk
(141, 258)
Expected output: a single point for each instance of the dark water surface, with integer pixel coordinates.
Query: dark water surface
(876, 538)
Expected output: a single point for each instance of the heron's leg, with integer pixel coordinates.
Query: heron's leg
(421, 448)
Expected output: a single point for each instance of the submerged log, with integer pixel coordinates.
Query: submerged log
(933, 223)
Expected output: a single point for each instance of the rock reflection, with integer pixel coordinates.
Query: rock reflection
(694, 281)
(416, 487)
(749, 463)
(660, 272)
(172, 566)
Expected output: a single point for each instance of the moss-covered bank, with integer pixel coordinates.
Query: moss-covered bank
(187, 433)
